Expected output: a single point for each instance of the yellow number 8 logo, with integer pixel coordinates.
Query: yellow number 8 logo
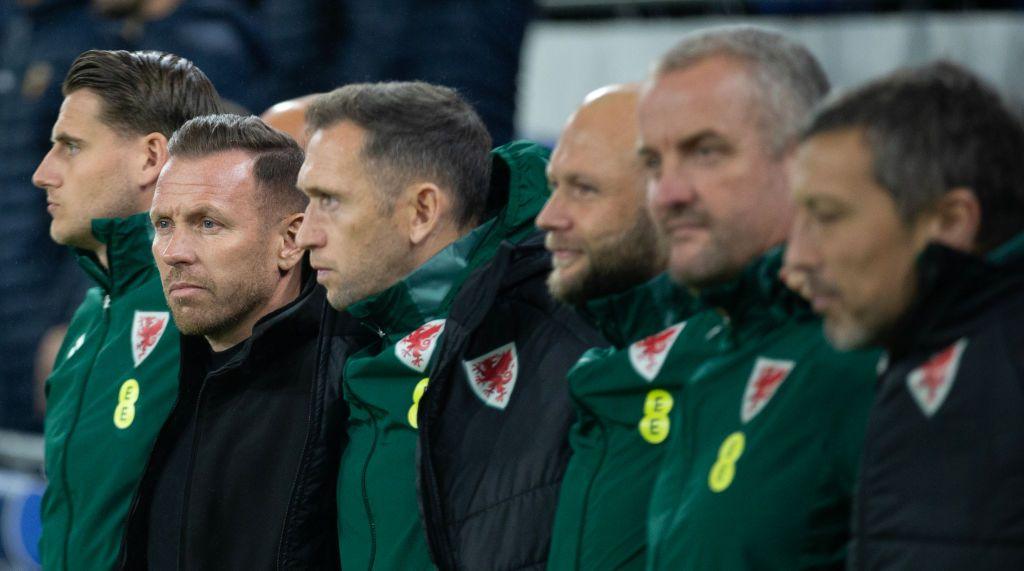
(654, 426)
(417, 394)
(724, 470)
(124, 414)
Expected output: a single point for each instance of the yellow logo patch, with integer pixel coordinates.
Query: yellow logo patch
(724, 470)
(417, 394)
(124, 413)
(655, 425)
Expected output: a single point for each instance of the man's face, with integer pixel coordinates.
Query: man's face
(214, 245)
(357, 245)
(88, 172)
(853, 250)
(599, 232)
(717, 192)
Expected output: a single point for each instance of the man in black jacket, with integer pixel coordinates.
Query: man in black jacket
(911, 206)
(239, 477)
(456, 441)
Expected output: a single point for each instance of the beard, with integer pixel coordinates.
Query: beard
(218, 310)
(614, 264)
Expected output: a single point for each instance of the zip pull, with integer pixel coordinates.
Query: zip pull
(106, 301)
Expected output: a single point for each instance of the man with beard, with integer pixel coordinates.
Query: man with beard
(910, 192)
(456, 439)
(764, 437)
(116, 374)
(222, 488)
(603, 242)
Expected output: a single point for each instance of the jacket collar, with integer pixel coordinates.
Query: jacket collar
(129, 254)
(517, 192)
(642, 310)
(756, 295)
(954, 288)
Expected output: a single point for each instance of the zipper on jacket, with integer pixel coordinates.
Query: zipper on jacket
(366, 496)
(590, 485)
(104, 326)
(188, 477)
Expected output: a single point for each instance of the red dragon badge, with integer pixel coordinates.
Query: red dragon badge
(930, 383)
(762, 385)
(492, 376)
(147, 329)
(648, 355)
(416, 348)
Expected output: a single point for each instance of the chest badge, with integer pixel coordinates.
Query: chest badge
(930, 383)
(147, 329)
(492, 376)
(765, 380)
(648, 355)
(416, 348)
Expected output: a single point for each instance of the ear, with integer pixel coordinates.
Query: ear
(427, 207)
(958, 219)
(289, 253)
(154, 149)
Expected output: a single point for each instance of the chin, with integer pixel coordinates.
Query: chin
(847, 336)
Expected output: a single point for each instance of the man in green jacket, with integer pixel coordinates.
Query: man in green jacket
(115, 378)
(603, 243)
(458, 414)
(766, 425)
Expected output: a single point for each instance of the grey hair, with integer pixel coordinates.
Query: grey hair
(414, 130)
(789, 79)
(932, 129)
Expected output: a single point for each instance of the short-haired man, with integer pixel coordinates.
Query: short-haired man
(603, 243)
(228, 482)
(764, 438)
(458, 404)
(911, 206)
(116, 374)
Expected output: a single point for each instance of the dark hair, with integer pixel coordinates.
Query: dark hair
(415, 130)
(789, 80)
(143, 92)
(278, 156)
(932, 129)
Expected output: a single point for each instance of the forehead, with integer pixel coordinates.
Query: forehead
(80, 115)
(595, 139)
(717, 93)
(224, 179)
(331, 153)
(838, 164)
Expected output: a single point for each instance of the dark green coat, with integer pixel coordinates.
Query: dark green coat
(113, 384)
(379, 522)
(623, 396)
(766, 437)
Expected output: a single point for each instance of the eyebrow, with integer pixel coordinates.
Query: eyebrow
(65, 139)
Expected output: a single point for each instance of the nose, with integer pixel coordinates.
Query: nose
(670, 188)
(554, 216)
(173, 248)
(310, 236)
(802, 255)
(46, 175)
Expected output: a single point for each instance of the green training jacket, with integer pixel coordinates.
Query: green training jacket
(379, 524)
(766, 439)
(623, 396)
(112, 387)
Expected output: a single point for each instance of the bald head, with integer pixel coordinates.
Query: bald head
(598, 230)
(290, 117)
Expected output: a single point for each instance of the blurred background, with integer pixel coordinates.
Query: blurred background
(525, 65)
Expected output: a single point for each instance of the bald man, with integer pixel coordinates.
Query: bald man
(604, 244)
(290, 117)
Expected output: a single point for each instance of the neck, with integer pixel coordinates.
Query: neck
(287, 290)
(101, 256)
(438, 242)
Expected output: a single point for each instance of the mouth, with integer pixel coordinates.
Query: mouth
(321, 272)
(183, 289)
(561, 257)
(51, 207)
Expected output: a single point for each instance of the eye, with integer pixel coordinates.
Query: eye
(208, 224)
(162, 224)
(71, 148)
(327, 202)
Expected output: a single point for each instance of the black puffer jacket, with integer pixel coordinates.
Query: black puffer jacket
(489, 478)
(942, 479)
(265, 432)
